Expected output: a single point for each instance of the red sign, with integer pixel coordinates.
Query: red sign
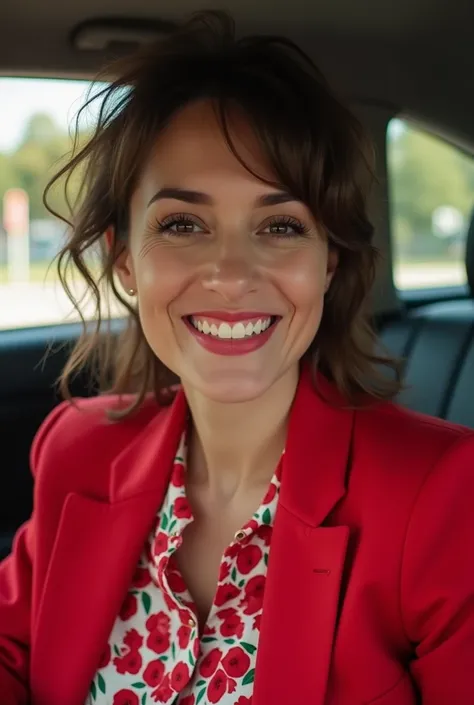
(16, 211)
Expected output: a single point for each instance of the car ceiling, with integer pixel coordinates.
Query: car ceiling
(412, 56)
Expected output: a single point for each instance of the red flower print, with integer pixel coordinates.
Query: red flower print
(256, 622)
(133, 640)
(179, 677)
(125, 697)
(243, 701)
(160, 544)
(182, 508)
(232, 624)
(270, 494)
(231, 685)
(184, 632)
(224, 571)
(252, 525)
(265, 533)
(158, 642)
(209, 663)
(233, 550)
(141, 578)
(253, 599)
(153, 673)
(129, 607)
(197, 648)
(225, 593)
(163, 693)
(236, 662)
(209, 631)
(188, 700)
(176, 582)
(105, 658)
(158, 622)
(170, 603)
(217, 686)
(130, 663)
(177, 476)
(248, 558)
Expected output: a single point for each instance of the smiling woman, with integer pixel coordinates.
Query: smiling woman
(277, 172)
(272, 529)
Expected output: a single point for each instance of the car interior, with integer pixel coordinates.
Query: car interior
(412, 60)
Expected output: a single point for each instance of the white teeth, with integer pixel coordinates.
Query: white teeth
(238, 331)
(225, 331)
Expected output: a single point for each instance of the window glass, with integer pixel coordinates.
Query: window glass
(35, 135)
(431, 186)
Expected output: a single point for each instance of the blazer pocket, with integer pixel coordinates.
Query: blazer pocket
(402, 693)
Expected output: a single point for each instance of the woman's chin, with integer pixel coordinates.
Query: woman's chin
(230, 387)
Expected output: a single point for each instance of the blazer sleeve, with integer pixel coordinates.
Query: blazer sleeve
(17, 575)
(437, 579)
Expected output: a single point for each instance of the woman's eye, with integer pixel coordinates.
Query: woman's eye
(285, 227)
(179, 226)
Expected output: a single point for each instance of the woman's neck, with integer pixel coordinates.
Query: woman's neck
(234, 448)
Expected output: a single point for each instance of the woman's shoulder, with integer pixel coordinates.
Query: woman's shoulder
(79, 435)
(399, 432)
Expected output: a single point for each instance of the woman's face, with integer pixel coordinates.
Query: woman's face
(230, 273)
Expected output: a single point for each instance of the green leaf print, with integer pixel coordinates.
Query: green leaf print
(144, 699)
(101, 684)
(266, 516)
(93, 690)
(249, 677)
(173, 651)
(265, 558)
(199, 683)
(234, 575)
(116, 650)
(242, 583)
(164, 521)
(191, 659)
(146, 602)
(200, 696)
(250, 648)
(138, 685)
(207, 639)
(179, 459)
(172, 526)
(229, 641)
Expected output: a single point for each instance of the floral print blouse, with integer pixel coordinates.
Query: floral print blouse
(155, 653)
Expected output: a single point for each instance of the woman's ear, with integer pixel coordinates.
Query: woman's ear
(123, 264)
(333, 261)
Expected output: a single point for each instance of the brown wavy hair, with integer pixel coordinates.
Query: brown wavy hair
(319, 153)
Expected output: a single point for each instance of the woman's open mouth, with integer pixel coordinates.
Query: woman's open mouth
(232, 334)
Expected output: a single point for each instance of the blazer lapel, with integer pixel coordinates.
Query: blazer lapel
(305, 569)
(96, 551)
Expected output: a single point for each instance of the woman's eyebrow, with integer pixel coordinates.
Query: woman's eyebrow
(200, 198)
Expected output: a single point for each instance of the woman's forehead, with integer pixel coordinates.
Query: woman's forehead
(193, 146)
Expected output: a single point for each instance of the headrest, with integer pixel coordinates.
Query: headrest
(470, 256)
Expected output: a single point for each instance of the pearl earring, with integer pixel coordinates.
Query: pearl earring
(131, 292)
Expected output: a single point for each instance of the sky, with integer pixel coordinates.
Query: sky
(20, 98)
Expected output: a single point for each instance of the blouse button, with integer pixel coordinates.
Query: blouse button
(191, 623)
(240, 535)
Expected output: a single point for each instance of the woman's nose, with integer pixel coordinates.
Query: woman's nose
(232, 275)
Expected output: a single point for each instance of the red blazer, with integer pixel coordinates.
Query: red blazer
(370, 588)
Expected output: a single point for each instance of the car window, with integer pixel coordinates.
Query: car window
(35, 133)
(431, 190)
